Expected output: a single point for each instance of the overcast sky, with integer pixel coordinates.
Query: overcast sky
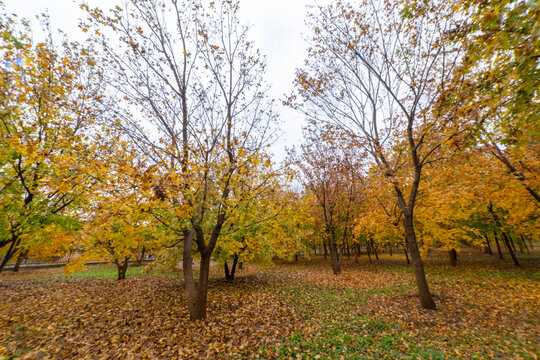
(276, 27)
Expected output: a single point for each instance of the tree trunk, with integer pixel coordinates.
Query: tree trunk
(235, 262)
(503, 232)
(498, 246)
(390, 248)
(336, 266)
(334, 255)
(512, 243)
(230, 275)
(196, 293)
(423, 290)
(202, 287)
(374, 248)
(525, 243)
(488, 245)
(406, 255)
(189, 279)
(22, 256)
(141, 257)
(325, 250)
(122, 268)
(453, 257)
(11, 251)
(512, 254)
(497, 152)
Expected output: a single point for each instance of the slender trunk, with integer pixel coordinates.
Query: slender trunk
(488, 245)
(356, 252)
(140, 259)
(325, 250)
(512, 254)
(22, 257)
(227, 273)
(390, 248)
(230, 275)
(374, 248)
(453, 257)
(498, 246)
(524, 243)
(512, 243)
(368, 252)
(503, 232)
(406, 255)
(334, 255)
(520, 246)
(235, 262)
(348, 250)
(423, 290)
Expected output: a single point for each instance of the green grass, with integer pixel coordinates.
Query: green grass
(342, 331)
(339, 327)
(104, 273)
(97, 272)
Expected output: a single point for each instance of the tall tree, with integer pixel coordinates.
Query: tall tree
(376, 69)
(496, 86)
(190, 93)
(47, 108)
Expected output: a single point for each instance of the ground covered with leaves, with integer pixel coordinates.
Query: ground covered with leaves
(290, 311)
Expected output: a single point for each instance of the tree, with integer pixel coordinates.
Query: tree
(47, 95)
(117, 223)
(330, 171)
(496, 87)
(376, 69)
(256, 228)
(191, 95)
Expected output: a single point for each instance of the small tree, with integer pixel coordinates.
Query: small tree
(329, 171)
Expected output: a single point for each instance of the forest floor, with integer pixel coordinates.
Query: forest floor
(486, 309)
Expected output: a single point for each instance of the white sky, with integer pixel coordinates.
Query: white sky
(276, 26)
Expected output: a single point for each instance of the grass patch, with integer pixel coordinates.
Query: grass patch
(104, 273)
(337, 328)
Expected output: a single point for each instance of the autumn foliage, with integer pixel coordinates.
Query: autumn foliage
(416, 178)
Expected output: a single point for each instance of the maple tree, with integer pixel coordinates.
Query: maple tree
(495, 87)
(117, 225)
(47, 95)
(372, 71)
(191, 96)
(330, 172)
(258, 228)
(422, 134)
